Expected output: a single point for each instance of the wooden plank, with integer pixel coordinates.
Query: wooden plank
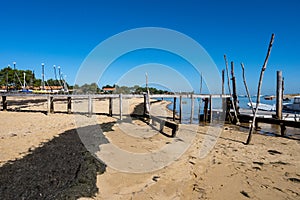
(162, 122)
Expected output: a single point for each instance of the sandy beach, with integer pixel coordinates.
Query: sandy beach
(43, 156)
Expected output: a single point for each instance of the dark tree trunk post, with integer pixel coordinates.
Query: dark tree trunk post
(121, 107)
(192, 108)
(110, 107)
(4, 103)
(180, 109)
(90, 106)
(210, 110)
(234, 93)
(263, 69)
(205, 109)
(174, 109)
(279, 95)
(69, 107)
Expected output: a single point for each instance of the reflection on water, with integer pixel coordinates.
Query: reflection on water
(266, 129)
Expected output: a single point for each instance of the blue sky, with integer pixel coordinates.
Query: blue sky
(65, 32)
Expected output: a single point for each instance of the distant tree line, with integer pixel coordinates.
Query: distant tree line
(14, 79)
(93, 88)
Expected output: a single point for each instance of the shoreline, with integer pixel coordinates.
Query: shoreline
(42, 145)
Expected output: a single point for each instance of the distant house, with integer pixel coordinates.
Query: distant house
(108, 90)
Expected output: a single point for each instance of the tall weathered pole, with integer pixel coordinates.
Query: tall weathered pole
(279, 94)
(234, 93)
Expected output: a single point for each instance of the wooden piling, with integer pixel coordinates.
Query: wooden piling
(4, 103)
(110, 109)
(121, 107)
(174, 109)
(279, 95)
(180, 109)
(223, 92)
(192, 108)
(234, 93)
(223, 81)
(210, 109)
(90, 106)
(69, 106)
(205, 110)
(50, 104)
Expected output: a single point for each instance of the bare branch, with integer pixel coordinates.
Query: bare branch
(259, 88)
(248, 94)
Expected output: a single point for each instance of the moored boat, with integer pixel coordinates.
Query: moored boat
(295, 106)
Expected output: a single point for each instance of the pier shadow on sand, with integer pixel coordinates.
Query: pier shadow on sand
(61, 168)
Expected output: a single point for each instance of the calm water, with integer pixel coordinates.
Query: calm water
(266, 128)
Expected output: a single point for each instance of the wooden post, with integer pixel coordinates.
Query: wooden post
(69, 106)
(210, 109)
(199, 111)
(110, 111)
(50, 104)
(205, 109)
(4, 103)
(228, 116)
(174, 109)
(192, 108)
(145, 104)
(121, 107)
(223, 81)
(282, 129)
(90, 106)
(180, 109)
(223, 99)
(234, 93)
(279, 95)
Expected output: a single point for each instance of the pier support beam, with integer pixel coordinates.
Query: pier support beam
(279, 95)
(234, 93)
(174, 109)
(205, 110)
(180, 109)
(210, 110)
(90, 106)
(110, 109)
(69, 106)
(192, 108)
(50, 105)
(4, 103)
(121, 107)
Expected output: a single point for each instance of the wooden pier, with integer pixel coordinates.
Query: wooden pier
(207, 116)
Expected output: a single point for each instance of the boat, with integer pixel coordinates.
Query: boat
(262, 106)
(269, 97)
(295, 106)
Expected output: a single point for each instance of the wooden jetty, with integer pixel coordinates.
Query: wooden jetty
(172, 123)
